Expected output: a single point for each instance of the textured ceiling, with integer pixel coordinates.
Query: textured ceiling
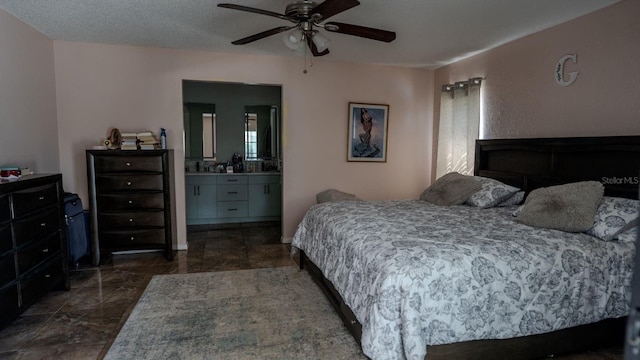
(430, 33)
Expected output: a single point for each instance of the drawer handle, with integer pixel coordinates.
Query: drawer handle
(232, 192)
(128, 164)
(232, 180)
(47, 276)
(41, 198)
(133, 237)
(232, 209)
(130, 202)
(128, 183)
(130, 220)
(43, 224)
(45, 250)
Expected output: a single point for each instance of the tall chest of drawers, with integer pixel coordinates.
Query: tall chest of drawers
(33, 247)
(131, 201)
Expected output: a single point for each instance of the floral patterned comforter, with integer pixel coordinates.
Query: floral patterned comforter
(417, 274)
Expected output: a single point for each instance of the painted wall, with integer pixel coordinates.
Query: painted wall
(28, 126)
(522, 99)
(132, 88)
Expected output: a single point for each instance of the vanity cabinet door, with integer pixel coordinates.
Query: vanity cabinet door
(264, 196)
(207, 201)
(200, 194)
(191, 200)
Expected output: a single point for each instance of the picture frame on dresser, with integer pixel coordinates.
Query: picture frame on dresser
(131, 202)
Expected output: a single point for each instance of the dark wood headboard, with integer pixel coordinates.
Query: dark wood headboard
(538, 162)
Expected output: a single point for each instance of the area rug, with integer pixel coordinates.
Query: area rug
(272, 313)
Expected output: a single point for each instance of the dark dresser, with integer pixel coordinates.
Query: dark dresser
(33, 247)
(131, 200)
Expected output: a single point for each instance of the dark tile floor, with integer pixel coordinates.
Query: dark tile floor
(81, 323)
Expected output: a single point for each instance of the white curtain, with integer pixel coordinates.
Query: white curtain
(459, 127)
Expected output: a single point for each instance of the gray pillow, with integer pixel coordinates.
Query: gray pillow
(333, 195)
(493, 192)
(570, 207)
(451, 189)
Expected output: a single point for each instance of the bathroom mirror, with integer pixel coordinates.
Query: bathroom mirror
(225, 132)
(200, 131)
(261, 128)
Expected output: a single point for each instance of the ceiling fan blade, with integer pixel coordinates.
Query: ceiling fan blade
(328, 8)
(254, 10)
(261, 35)
(314, 48)
(361, 31)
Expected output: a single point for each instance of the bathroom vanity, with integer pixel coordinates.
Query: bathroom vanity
(223, 121)
(217, 198)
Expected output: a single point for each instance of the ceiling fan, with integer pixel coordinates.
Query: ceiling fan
(307, 16)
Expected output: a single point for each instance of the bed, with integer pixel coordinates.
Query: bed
(416, 280)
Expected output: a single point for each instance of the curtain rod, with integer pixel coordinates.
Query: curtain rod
(462, 84)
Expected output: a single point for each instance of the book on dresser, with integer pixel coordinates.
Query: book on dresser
(147, 141)
(129, 141)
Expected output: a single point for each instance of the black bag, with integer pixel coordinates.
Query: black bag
(77, 239)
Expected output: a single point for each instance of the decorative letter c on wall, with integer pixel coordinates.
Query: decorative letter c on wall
(559, 73)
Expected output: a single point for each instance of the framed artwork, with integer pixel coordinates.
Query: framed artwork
(367, 140)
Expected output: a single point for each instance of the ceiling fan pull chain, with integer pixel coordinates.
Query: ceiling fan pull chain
(310, 57)
(306, 50)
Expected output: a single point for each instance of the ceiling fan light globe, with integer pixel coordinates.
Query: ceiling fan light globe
(293, 39)
(300, 51)
(322, 42)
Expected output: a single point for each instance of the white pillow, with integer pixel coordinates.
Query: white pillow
(614, 216)
(491, 194)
